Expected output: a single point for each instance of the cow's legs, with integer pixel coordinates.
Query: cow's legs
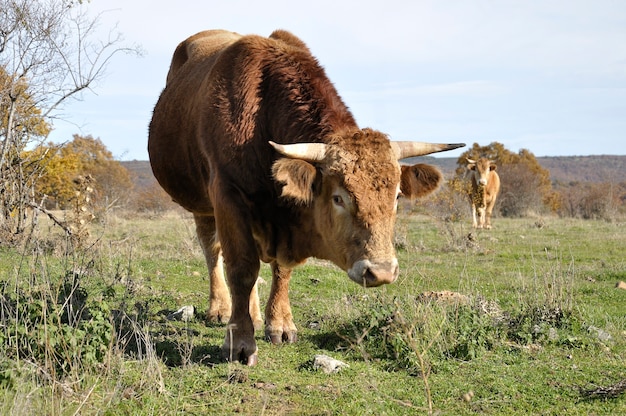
(481, 216)
(239, 344)
(279, 324)
(474, 221)
(242, 264)
(488, 216)
(219, 295)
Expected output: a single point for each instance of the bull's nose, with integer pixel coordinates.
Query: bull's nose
(372, 274)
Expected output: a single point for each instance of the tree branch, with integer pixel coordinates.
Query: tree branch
(53, 217)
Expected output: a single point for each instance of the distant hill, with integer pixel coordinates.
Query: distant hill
(140, 172)
(585, 168)
(563, 169)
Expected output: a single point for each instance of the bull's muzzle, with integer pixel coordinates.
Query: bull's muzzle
(369, 274)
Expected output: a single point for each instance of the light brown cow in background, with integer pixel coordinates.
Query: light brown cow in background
(485, 185)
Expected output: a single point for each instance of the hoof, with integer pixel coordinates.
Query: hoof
(217, 318)
(278, 337)
(252, 360)
(241, 357)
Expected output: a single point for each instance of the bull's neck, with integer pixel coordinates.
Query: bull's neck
(307, 113)
(296, 239)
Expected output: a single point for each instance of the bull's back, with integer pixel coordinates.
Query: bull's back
(175, 155)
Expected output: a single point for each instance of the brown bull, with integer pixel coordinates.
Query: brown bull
(252, 138)
(485, 185)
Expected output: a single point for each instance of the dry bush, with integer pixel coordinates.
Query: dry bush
(152, 200)
(590, 201)
(449, 203)
(521, 193)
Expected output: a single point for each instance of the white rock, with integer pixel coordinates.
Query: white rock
(183, 314)
(327, 364)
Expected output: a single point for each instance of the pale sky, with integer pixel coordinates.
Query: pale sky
(544, 75)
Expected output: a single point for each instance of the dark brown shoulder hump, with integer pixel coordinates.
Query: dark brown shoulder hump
(295, 62)
(293, 78)
(201, 44)
(289, 38)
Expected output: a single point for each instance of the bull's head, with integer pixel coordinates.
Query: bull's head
(352, 185)
(480, 169)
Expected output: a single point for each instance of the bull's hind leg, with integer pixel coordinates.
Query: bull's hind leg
(219, 295)
(279, 324)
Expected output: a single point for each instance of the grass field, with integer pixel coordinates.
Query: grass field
(535, 325)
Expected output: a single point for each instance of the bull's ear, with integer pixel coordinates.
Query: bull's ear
(419, 180)
(492, 167)
(297, 178)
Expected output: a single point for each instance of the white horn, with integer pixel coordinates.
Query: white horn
(470, 160)
(411, 149)
(307, 151)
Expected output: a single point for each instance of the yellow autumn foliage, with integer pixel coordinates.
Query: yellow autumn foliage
(80, 157)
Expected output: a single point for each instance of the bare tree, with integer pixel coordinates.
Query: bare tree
(520, 194)
(49, 53)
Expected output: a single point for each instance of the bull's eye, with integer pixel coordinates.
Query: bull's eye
(398, 192)
(338, 200)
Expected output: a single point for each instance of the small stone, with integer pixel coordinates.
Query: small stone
(601, 334)
(314, 325)
(468, 396)
(327, 364)
(553, 334)
(185, 314)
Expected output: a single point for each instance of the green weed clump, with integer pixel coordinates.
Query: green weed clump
(61, 330)
(406, 333)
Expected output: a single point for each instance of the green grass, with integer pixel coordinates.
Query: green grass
(551, 281)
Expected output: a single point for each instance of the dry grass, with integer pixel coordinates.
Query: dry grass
(412, 353)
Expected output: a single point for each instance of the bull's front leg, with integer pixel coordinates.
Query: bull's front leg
(488, 216)
(279, 326)
(239, 344)
(481, 217)
(242, 264)
(474, 221)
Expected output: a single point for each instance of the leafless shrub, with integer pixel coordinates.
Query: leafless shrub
(590, 200)
(48, 54)
(152, 200)
(520, 194)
